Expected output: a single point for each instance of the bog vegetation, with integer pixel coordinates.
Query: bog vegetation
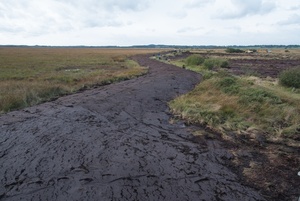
(243, 104)
(234, 50)
(290, 78)
(33, 75)
(208, 63)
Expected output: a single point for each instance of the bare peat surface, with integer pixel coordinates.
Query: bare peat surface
(261, 67)
(114, 143)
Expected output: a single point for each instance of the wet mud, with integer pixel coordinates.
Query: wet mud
(115, 143)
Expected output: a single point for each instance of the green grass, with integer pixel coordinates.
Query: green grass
(30, 76)
(210, 63)
(241, 104)
(194, 60)
(201, 65)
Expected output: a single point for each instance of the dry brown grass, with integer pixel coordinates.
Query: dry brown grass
(33, 75)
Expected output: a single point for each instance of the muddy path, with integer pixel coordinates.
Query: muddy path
(114, 143)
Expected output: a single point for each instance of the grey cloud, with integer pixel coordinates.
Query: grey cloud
(14, 15)
(295, 8)
(92, 23)
(39, 17)
(10, 29)
(247, 7)
(12, 9)
(94, 13)
(178, 15)
(127, 5)
(234, 29)
(197, 3)
(2, 10)
(292, 20)
(267, 7)
(108, 5)
(188, 29)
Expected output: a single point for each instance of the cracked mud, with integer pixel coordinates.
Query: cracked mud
(114, 143)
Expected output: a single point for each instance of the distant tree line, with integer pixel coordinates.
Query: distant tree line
(171, 46)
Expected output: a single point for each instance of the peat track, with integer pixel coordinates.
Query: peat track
(115, 143)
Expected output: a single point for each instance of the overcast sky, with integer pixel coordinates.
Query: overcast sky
(137, 22)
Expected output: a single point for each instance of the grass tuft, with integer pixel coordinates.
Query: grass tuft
(229, 85)
(290, 78)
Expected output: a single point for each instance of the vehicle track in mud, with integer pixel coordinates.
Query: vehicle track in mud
(114, 143)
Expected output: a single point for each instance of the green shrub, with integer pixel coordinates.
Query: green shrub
(233, 50)
(253, 50)
(227, 82)
(229, 85)
(224, 64)
(194, 60)
(209, 64)
(290, 78)
(259, 96)
(207, 75)
(215, 62)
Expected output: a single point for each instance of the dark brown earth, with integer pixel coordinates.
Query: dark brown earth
(115, 143)
(261, 67)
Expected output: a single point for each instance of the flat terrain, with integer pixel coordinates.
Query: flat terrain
(33, 75)
(115, 143)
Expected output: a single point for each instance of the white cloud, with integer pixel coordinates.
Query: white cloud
(294, 7)
(243, 8)
(190, 29)
(292, 20)
(128, 22)
(197, 3)
(127, 5)
(178, 15)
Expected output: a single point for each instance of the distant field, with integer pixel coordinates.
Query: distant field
(29, 76)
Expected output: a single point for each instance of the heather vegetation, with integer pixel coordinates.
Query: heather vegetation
(195, 60)
(206, 63)
(290, 78)
(242, 104)
(234, 50)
